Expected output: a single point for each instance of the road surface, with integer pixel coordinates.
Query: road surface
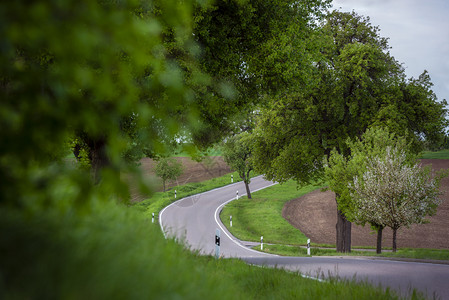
(194, 221)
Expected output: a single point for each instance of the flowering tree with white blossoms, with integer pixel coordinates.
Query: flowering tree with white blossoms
(341, 169)
(394, 193)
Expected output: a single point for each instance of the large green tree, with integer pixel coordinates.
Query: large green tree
(250, 45)
(354, 84)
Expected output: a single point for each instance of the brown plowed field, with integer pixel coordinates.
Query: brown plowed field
(315, 215)
(208, 168)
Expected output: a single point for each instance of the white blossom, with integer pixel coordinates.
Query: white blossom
(393, 193)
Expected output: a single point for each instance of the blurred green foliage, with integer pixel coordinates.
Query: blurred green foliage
(71, 67)
(124, 77)
(108, 252)
(101, 71)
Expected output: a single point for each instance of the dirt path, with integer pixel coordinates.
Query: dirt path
(315, 214)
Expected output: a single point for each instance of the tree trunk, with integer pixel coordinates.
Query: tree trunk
(343, 228)
(395, 230)
(97, 154)
(99, 157)
(379, 239)
(343, 233)
(248, 192)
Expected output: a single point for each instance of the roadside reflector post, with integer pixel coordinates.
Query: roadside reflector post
(152, 219)
(217, 243)
(308, 247)
(237, 195)
(175, 194)
(261, 242)
(230, 220)
(232, 178)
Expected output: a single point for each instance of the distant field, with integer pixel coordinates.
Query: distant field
(180, 152)
(442, 154)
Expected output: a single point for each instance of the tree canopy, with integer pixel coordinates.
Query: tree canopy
(353, 84)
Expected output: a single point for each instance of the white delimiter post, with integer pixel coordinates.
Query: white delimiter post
(308, 247)
(232, 178)
(261, 242)
(175, 194)
(230, 220)
(237, 195)
(152, 219)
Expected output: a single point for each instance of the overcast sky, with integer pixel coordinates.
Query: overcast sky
(418, 32)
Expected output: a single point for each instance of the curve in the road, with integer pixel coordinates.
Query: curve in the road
(225, 230)
(194, 220)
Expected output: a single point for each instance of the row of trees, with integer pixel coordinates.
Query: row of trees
(349, 84)
(380, 183)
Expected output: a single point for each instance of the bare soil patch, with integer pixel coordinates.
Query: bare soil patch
(315, 215)
(210, 167)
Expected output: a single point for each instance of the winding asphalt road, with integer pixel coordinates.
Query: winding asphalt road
(194, 220)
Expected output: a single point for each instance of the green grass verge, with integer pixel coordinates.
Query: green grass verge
(443, 154)
(262, 215)
(295, 250)
(437, 254)
(160, 200)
